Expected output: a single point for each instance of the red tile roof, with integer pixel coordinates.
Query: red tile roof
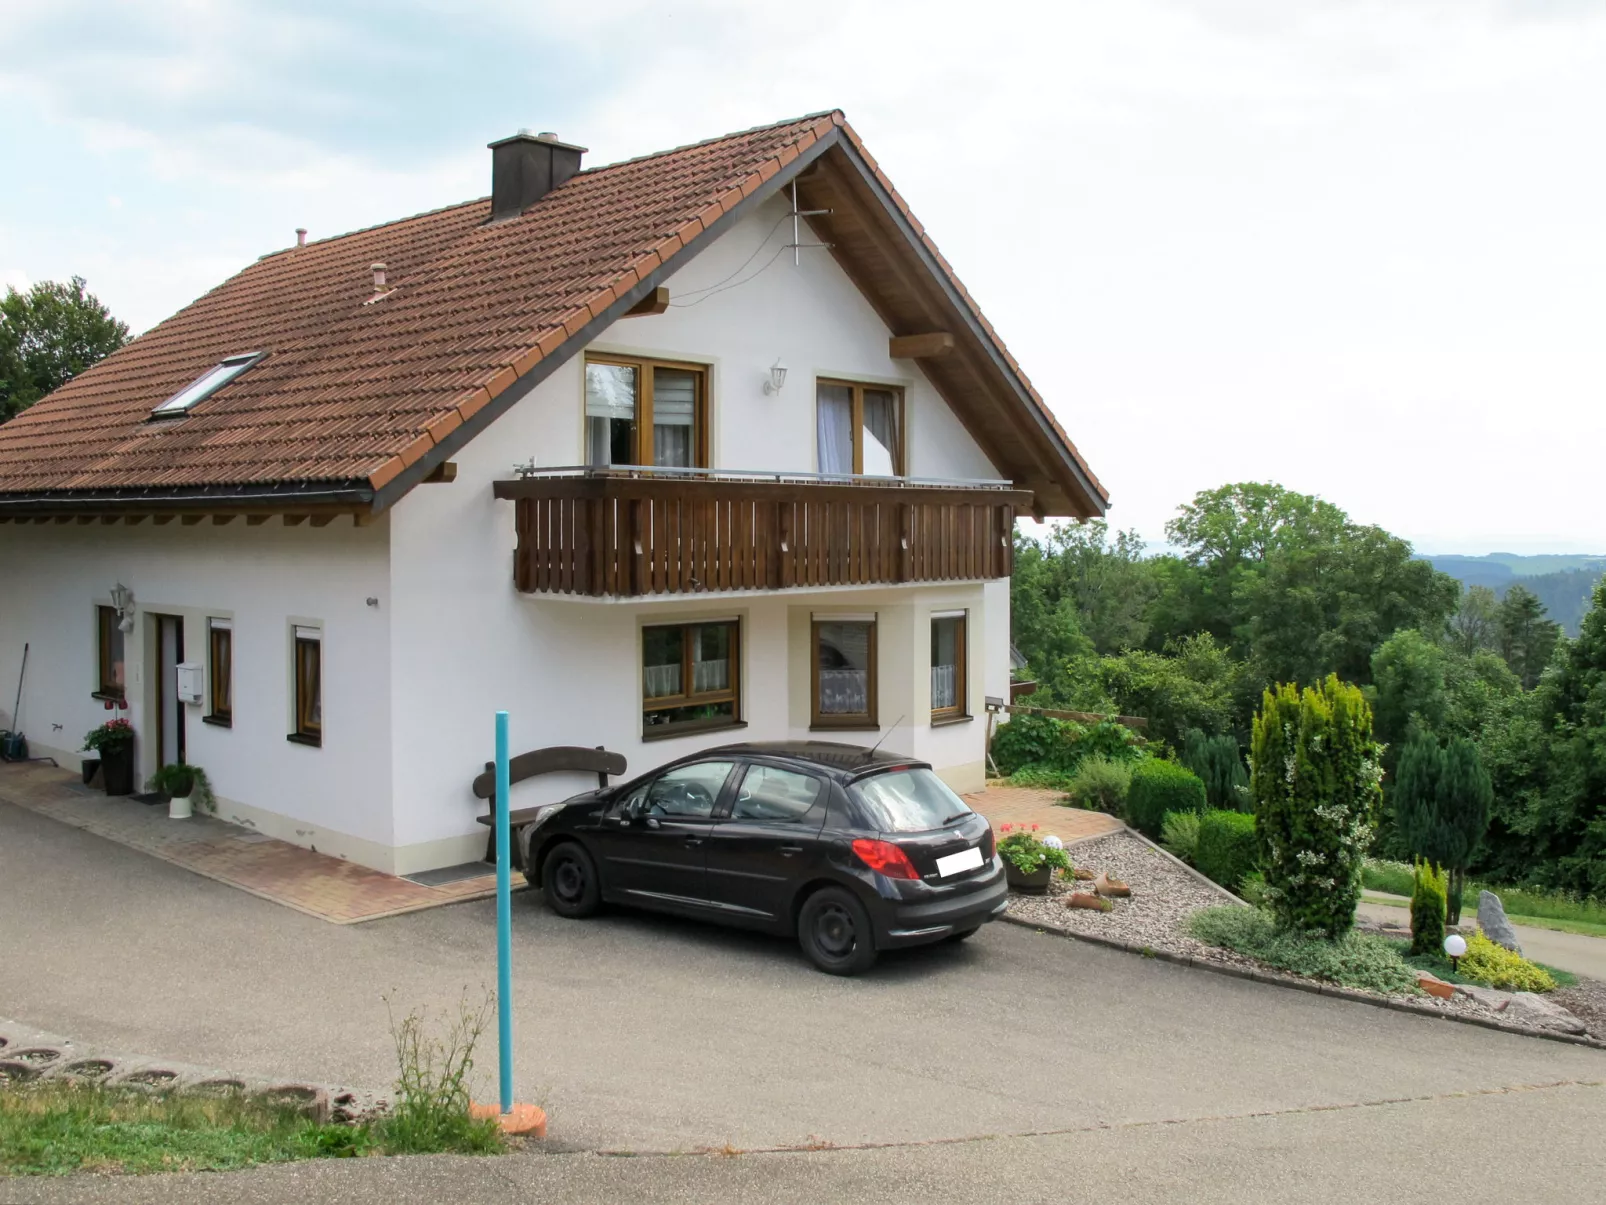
(355, 394)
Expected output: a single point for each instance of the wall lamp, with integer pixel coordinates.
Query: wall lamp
(123, 603)
(777, 378)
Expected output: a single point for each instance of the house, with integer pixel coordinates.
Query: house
(705, 446)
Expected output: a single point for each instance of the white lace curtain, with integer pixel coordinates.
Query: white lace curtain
(835, 412)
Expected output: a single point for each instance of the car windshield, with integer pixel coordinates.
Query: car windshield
(908, 801)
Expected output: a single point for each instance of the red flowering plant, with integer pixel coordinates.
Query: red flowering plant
(110, 737)
(1028, 852)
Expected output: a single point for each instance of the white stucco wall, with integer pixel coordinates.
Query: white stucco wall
(464, 643)
(335, 798)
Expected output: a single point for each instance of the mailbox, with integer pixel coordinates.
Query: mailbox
(191, 684)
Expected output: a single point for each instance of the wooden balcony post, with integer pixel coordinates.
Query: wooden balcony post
(783, 543)
(906, 555)
(636, 550)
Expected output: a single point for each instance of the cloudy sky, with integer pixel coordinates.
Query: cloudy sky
(1356, 248)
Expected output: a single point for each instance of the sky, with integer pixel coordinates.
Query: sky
(1355, 248)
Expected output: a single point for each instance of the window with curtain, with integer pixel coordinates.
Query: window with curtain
(220, 672)
(309, 686)
(690, 676)
(948, 666)
(110, 640)
(643, 412)
(844, 674)
(859, 429)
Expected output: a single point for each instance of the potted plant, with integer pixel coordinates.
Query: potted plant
(114, 741)
(186, 788)
(1030, 861)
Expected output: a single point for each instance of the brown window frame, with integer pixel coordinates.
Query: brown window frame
(899, 467)
(307, 730)
(961, 708)
(107, 621)
(862, 721)
(219, 673)
(732, 694)
(644, 366)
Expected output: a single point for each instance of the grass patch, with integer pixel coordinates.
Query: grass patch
(1356, 960)
(1529, 903)
(1582, 928)
(54, 1128)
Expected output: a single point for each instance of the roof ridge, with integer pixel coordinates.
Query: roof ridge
(702, 142)
(412, 217)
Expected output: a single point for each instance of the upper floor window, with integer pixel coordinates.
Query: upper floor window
(646, 412)
(220, 671)
(860, 428)
(205, 385)
(110, 641)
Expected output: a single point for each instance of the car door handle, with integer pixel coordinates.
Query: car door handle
(788, 850)
(694, 840)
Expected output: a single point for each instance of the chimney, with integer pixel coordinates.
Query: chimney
(525, 167)
(301, 236)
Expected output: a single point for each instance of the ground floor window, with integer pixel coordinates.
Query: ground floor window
(220, 671)
(844, 686)
(110, 628)
(948, 665)
(690, 676)
(309, 686)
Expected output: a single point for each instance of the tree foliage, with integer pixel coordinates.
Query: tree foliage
(1218, 763)
(1527, 639)
(49, 335)
(1314, 775)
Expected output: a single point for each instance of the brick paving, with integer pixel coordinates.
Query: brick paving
(1029, 805)
(329, 888)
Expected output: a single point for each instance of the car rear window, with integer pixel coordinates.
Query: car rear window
(907, 801)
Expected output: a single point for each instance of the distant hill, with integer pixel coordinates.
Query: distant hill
(1564, 583)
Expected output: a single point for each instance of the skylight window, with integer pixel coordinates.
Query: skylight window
(205, 386)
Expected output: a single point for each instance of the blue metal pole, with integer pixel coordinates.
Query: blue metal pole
(504, 919)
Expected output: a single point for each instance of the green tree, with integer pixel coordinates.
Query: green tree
(1440, 802)
(1219, 764)
(1195, 684)
(1314, 776)
(49, 335)
(1429, 903)
(1527, 639)
(1408, 687)
(1475, 624)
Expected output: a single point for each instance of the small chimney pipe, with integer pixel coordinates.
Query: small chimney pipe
(301, 236)
(379, 277)
(525, 167)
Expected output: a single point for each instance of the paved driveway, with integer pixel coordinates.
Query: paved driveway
(646, 1035)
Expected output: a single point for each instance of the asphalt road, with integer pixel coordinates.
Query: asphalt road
(1038, 1067)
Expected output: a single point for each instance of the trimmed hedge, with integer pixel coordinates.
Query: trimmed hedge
(1159, 787)
(1226, 852)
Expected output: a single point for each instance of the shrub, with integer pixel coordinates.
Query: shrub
(1353, 960)
(1038, 740)
(1228, 847)
(1042, 777)
(1101, 783)
(1499, 967)
(1428, 909)
(1179, 833)
(431, 1109)
(1314, 775)
(1216, 760)
(1159, 787)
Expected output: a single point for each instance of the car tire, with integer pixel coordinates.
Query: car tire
(569, 881)
(835, 932)
(961, 934)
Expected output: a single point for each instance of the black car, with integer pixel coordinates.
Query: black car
(852, 850)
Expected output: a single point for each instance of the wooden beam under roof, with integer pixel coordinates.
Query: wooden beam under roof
(655, 302)
(920, 347)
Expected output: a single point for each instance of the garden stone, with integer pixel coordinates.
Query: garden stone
(1104, 885)
(1530, 1008)
(1492, 920)
(1086, 899)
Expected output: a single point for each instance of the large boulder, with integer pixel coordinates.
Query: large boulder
(1492, 920)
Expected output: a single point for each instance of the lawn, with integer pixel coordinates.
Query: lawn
(1523, 905)
(1470, 911)
(55, 1128)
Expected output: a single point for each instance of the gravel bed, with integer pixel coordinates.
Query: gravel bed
(1587, 1002)
(1164, 896)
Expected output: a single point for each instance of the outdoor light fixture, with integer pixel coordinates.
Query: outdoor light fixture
(777, 378)
(123, 603)
(1455, 945)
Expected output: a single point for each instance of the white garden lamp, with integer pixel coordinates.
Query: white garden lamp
(1455, 945)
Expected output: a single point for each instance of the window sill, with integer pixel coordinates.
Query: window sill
(301, 738)
(845, 726)
(943, 721)
(103, 696)
(218, 721)
(665, 732)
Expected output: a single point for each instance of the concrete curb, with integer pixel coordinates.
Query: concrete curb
(1315, 988)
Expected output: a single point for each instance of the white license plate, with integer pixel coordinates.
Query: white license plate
(965, 859)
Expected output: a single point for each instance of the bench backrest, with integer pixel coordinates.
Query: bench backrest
(557, 759)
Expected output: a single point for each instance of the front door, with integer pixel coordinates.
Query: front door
(759, 853)
(655, 837)
(169, 711)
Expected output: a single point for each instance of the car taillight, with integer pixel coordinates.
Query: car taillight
(987, 845)
(885, 858)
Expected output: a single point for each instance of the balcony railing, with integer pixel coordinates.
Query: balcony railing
(643, 532)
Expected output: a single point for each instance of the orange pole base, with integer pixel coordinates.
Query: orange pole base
(525, 1121)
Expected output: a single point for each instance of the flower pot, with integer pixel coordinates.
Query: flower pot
(117, 770)
(91, 764)
(179, 808)
(1035, 883)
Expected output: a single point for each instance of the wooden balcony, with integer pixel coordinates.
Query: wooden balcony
(625, 533)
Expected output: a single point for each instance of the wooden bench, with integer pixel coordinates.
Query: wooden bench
(556, 759)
